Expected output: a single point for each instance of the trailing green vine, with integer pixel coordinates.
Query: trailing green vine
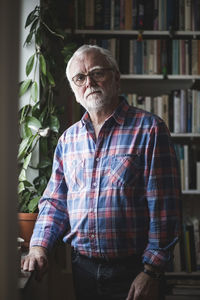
(39, 118)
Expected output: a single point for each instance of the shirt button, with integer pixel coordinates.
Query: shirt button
(92, 236)
(94, 184)
(97, 159)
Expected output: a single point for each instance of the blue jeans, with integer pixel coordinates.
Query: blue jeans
(100, 279)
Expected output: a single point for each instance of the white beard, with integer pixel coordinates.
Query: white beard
(95, 101)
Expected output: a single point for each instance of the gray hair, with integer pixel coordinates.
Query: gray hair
(86, 48)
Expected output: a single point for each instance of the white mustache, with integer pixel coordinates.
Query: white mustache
(92, 90)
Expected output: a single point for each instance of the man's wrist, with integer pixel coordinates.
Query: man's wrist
(153, 272)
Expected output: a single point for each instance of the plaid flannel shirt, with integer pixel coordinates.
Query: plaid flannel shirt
(115, 196)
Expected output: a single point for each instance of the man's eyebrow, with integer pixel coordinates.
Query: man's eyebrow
(95, 68)
(92, 69)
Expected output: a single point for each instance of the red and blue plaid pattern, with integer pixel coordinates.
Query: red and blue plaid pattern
(117, 195)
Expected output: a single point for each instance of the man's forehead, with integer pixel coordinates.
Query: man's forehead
(90, 61)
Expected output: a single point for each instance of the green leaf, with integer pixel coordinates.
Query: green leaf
(38, 39)
(50, 78)
(27, 161)
(43, 80)
(25, 131)
(31, 17)
(29, 65)
(43, 114)
(45, 163)
(54, 123)
(33, 123)
(34, 91)
(21, 187)
(40, 183)
(33, 204)
(24, 86)
(43, 64)
(44, 146)
(23, 146)
(22, 175)
(24, 112)
(29, 38)
(34, 25)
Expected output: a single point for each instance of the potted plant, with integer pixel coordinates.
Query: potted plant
(39, 118)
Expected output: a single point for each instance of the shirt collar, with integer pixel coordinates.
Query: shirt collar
(118, 115)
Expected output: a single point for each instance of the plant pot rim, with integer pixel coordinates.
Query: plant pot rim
(26, 216)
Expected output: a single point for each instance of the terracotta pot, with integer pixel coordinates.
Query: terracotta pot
(26, 224)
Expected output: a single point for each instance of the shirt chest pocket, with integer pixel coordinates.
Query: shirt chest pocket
(125, 169)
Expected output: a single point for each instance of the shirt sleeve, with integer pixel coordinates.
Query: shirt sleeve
(163, 197)
(52, 219)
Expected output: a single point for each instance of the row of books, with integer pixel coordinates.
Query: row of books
(186, 287)
(180, 110)
(138, 14)
(189, 163)
(158, 56)
(187, 250)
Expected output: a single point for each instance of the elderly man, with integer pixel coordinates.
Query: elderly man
(114, 191)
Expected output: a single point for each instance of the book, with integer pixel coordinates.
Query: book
(99, 13)
(155, 15)
(181, 14)
(189, 110)
(134, 14)
(107, 15)
(140, 14)
(188, 15)
(198, 175)
(183, 111)
(196, 225)
(175, 57)
(80, 14)
(177, 258)
(191, 264)
(195, 57)
(124, 48)
(186, 166)
(128, 15)
(89, 14)
(122, 14)
(117, 15)
(177, 109)
(148, 13)
(186, 290)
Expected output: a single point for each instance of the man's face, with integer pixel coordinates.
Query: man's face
(94, 95)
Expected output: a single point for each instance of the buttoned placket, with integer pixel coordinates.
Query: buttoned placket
(92, 222)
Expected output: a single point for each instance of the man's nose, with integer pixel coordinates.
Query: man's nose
(90, 81)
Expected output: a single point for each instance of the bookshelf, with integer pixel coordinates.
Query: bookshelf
(108, 24)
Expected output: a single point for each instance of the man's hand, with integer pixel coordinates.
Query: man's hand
(144, 288)
(36, 260)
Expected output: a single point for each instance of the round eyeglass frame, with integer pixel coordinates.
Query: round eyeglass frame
(90, 75)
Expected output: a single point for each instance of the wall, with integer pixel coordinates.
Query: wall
(9, 34)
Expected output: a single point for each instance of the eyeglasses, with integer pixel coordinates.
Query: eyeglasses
(97, 75)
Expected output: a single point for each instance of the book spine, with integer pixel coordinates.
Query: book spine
(117, 15)
(99, 11)
(188, 15)
(186, 167)
(89, 14)
(107, 15)
(128, 15)
(176, 106)
(198, 175)
(122, 14)
(183, 112)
